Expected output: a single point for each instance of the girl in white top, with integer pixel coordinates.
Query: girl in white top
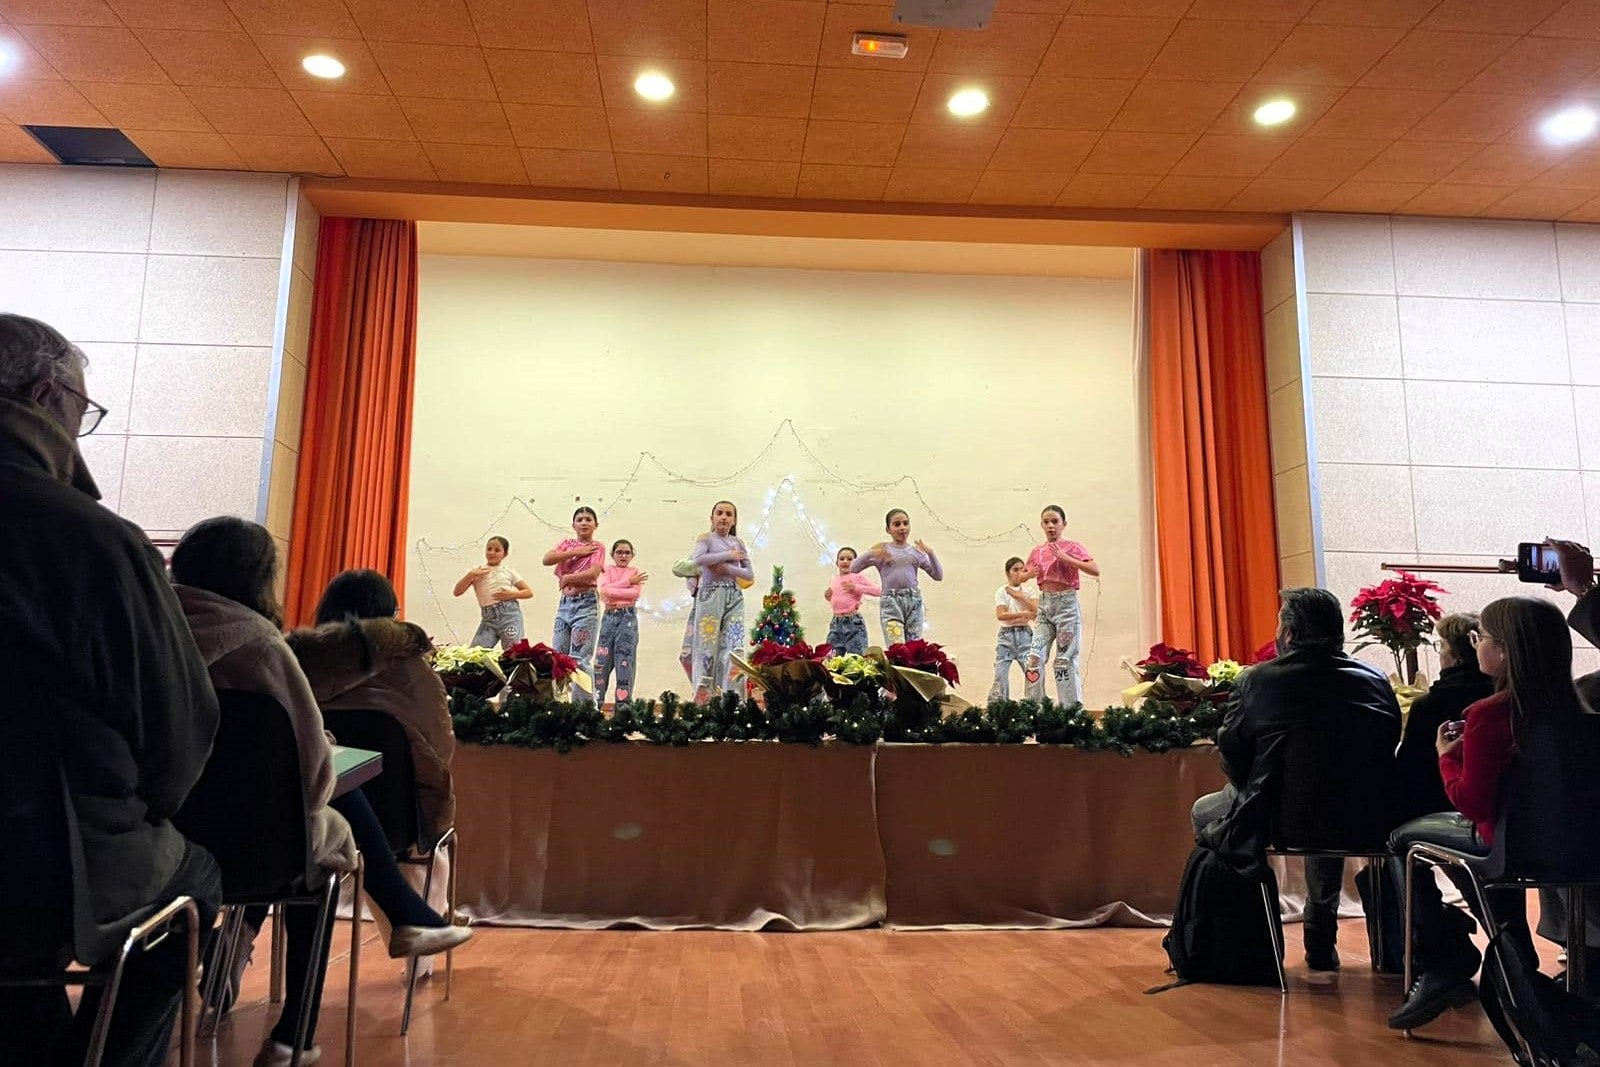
(498, 587)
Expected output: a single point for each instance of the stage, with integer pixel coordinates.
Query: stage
(768, 836)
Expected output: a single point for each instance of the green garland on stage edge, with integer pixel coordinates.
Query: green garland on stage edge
(522, 722)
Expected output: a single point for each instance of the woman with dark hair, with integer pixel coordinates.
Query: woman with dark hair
(225, 570)
(1523, 645)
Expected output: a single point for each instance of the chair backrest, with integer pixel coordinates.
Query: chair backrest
(248, 809)
(1336, 787)
(1549, 824)
(393, 793)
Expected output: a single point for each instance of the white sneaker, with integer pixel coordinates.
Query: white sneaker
(425, 940)
(274, 1054)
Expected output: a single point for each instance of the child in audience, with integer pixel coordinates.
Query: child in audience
(848, 630)
(498, 587)
(578, 562)
(900, 610)
(719, 603)
(1015, 610)
(619, 627)
(1057, 565)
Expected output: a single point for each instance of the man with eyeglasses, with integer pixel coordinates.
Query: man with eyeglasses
(106, 721)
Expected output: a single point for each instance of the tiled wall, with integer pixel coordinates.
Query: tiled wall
(1455, 392)
(1286, 385)
(175, 285)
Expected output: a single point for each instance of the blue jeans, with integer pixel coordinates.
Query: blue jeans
(1059, 622)
(900, 612)
(502, 622)
(619, 644)
(848, 633)
(1011, 646)
(575, 632)
(719, 629)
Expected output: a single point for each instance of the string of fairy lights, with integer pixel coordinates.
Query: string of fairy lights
(786, 489)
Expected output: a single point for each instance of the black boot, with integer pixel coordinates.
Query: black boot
(1431, 995)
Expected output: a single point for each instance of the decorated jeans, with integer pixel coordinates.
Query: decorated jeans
(1012, 646)
(848, 633)
(1059, 622)
(900, 611)
(575, 632)
(719, 630)
(502, 622)
(619, 643)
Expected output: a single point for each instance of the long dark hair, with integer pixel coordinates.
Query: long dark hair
(359, 594)
(1538, 676)
(234, 558)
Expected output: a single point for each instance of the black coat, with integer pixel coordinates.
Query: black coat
(1420, 789)
(1309, 744)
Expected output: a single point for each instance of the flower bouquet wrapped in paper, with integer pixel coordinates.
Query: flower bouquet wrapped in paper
(540, 672)
(788, 674)
(852, 675)
(918, 677)
(465, 667)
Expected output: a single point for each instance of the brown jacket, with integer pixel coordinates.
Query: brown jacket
(378, 665)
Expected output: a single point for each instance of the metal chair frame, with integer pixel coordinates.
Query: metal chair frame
(146, 934)
(430, 860)
(325, 898)
(1440, 856)
(1375, 861)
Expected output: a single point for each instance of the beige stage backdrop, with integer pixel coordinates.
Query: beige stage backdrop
(815, 400)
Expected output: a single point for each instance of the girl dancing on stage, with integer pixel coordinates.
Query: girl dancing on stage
(1057, 565)
(498, 587)
(900, 610)
(848, 630)
(719, 603)
(578, 562)
(619, 628)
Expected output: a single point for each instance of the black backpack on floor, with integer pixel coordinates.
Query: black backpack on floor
(1219, 931)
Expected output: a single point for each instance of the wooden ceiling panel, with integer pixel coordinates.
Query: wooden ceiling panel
(1401, 105)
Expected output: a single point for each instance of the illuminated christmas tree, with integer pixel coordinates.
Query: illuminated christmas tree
(778, 621)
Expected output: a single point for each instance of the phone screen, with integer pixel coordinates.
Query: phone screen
(1537, 563)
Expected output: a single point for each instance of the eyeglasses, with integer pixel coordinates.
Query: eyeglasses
(1477, 638)
(92, 412)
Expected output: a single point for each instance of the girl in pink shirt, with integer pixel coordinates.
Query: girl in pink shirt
(620, 585)
(578, 562)
(848, 630)
(1056, 564)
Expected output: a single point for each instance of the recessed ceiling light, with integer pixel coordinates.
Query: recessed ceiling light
(10, 58)
(1570, 125)
(654, 86)
(321, 66)
(1275, 112)
(968, 102)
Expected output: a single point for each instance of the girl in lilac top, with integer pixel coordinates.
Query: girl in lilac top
(719, 602)
(900, 610)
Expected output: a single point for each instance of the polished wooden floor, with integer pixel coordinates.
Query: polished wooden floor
(871, 997)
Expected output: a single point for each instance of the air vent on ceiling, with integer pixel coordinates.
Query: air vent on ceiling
(90, 146)
(945, 14)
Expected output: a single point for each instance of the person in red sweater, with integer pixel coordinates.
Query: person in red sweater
(1523, 644)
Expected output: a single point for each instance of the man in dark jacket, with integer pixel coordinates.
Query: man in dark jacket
(1308, 747)
(107, 721)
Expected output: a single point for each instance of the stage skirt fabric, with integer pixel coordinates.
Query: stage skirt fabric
(762, 836)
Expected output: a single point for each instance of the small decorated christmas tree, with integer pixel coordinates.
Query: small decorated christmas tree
(778, 620)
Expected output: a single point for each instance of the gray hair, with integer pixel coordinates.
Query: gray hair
(32, 352)
(1313, 618)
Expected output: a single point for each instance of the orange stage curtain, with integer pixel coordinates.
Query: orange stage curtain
(355, 444)
(1216, 537)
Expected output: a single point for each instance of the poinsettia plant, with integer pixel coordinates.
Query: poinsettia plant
(545, 661)
(771, 653)
(924, 656)
(1398, 614)
(1166, 659)
(1265, 654)
(474, 669)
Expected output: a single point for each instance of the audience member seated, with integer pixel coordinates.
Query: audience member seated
(1460, 684)
(1522, 643)
(361, 657)
(1308, 747)
(225, 569)
(97, 653)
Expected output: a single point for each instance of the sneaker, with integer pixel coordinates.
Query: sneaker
(426, 940)
(277, 1054)
(1431, 995)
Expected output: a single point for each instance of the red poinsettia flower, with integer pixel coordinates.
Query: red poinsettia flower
(924, 656)
(1265, 654)
(545, 661)
(1167, 659)
(1397, 613)
(771, 653)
